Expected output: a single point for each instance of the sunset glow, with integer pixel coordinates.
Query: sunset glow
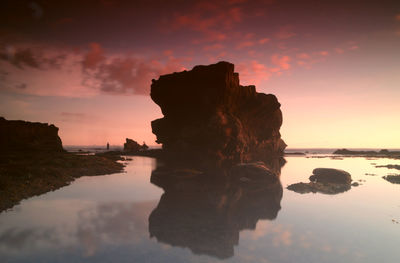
(87, 67)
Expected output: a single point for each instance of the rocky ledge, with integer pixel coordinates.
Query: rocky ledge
(209, 118)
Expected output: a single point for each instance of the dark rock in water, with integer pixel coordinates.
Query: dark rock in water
(23, 136)
(200, 212)
(393, 178)
(132, 146)
(381, 153)
(326, 181)
(324, 188)
(210, 118)
(389, 166)
(295, 154)
(329, 175)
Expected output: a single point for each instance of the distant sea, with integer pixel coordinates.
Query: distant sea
(330, 150)
(97, 148)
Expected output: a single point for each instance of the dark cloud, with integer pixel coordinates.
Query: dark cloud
(21, 86)
(20, 58)
(121, 74)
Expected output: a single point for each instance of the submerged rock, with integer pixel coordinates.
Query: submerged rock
(326, 181)
(210, 118)
(324, 188)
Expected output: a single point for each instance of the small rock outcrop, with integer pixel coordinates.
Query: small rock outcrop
(330, 175)
(133, 146)
(326, 181)
(210, 117)
(393, 178)
(23, 136)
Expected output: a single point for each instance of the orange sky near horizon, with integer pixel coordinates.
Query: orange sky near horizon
(87, 67)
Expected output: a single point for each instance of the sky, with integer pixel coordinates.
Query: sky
(87, 66)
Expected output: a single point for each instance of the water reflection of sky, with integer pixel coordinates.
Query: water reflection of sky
(105, 219)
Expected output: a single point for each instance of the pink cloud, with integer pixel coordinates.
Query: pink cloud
(168, 53)
(285, 32)
(339, 50)
(281, 61)
(354, 47)
(253, 72)
(93, 57)
(126, 75)
(303, 56)
(245, 44)
(263, 41)
(213, 47)
(46, 71)
(323, 53)
(211, 19)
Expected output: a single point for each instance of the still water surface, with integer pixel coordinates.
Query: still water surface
(106, 219)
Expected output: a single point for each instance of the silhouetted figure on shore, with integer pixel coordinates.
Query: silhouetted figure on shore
(108, 146)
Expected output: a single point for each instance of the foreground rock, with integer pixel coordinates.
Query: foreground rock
(205, 213)
(326, 181)
(33, 162)
(210, 119)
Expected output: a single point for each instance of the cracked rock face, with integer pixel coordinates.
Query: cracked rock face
(210, 118)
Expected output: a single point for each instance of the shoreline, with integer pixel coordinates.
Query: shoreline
(27, 174)
(24, 175)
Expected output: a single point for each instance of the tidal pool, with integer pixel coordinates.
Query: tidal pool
(106, 219)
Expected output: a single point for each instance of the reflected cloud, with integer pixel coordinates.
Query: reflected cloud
(18, 238)
(112, 223)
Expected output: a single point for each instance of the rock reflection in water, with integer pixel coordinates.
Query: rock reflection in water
(206, 214)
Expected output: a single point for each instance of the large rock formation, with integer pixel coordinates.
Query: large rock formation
(209, 116)
(25, 136)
